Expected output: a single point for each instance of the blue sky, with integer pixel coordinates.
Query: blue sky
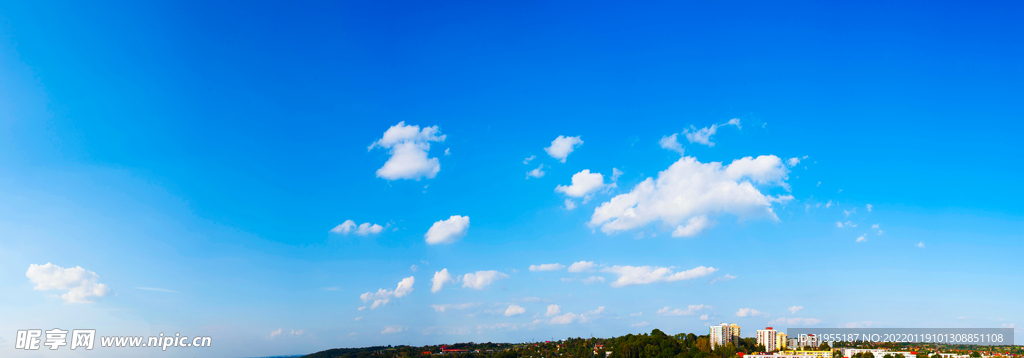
(194, 157)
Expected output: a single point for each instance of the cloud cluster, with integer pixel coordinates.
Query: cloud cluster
(582, 266)
(363, 229)
(703, 135)
(383, 296)
(513, 310)
(750, 312)
(690, 192)
(80, 283)
(795, 309)
(582, 318)
(454, 306)
(639, 275)
(562, 146)
(447, 231)
(690, 310)
(393, 329)
(547, 267)
(723, 278)
(583, 183)
(440, 279)
(481, 279)
(408, 146)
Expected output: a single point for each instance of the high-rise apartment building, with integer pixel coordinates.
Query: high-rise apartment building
(768, 338)
(725, 333)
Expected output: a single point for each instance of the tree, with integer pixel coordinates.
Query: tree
(824, 346)
(703, 344)
(837, 354)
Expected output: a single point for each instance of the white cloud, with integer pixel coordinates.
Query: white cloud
(862, 238)
(693, 227)
(723, 278)
(547, 267)
(792, 162)
(616, 173)
(562, 146)
(362, 308)
(414, 268)
(703, 135)
(638, 275)
(795, 309)
(358, 318)
(454, 306)
(447, 151)
(869, 207)
(689, 189)
(440, 279)
(528, 159)
(593, 279)
(641, 324)
(920, 244)
(828, 205)
(851, 212)
(572, 317)
(796, 321)
(408, 146)
(363, 229)
(383, 296)
(392, 329)
(582, 266)
(583, 184)
(750, 312)
(703, 317)
(447, 231)
(536, 173)
(80, 283)
(690, 310)
(671, 143)
(569, 204)
(553, 310)
(638, 314)
(481, 279)
(514, 310)
(275, 333)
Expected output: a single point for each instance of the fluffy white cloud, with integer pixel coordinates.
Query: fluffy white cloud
(553, 310)
(792, 162)
(481, 279)
(569, 204)
(723, 278)
(583, 184)
(392, 329)
(562, 146)
(750, 312)
(593, 279)
(513, 310)
(690, 310)
(690, 189)
(536, 173)
(440, 279)
(703, 135)
(638, 275)
(564, 319)
(795, 309)
(869, 207)
(454, 306)
(447, 231)
(528, 159)
(547, 267)
(363, 229)
(80, 283)
(616, 173)
(582, 266)
(638, 314)
(920, 244)
(671, 143)
(275, 333)
(408, 146)
(704, 317)
(862, 238)
(796, 321)
(383, 296)
(693, 227)
(641, 324)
